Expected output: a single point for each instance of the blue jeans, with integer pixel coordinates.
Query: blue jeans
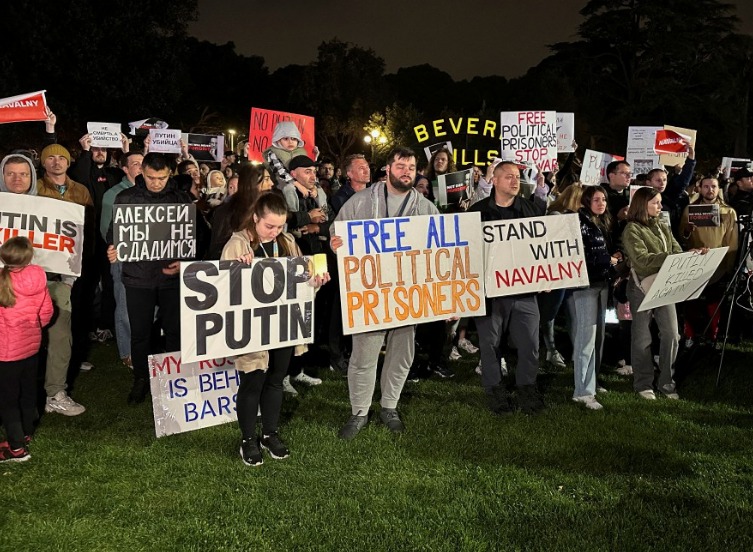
(587, 307)
(122, 326)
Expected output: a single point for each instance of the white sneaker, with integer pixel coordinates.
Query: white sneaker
(305, 379)
(670, 392)
(455, 354)
(647, 394)
(554, 358)
(86, 366)
(600, 389)
(589, 401)
(467, 346)
(287, 387)
(625, 370)
(478, 368)
(63, 404)
(503, 366)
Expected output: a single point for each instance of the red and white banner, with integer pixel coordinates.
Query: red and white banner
(263, 122)
(26, 107)
(669, 141)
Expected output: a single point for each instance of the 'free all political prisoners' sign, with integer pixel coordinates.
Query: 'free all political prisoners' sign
(55, 229)
(399, 271)
(533, 254)
(191, 395)
(229, 308)
(154, 232)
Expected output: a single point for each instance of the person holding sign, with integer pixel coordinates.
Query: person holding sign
(261, 373)
(394, 198)
(516, 314)
(647, 243)
(693, 236)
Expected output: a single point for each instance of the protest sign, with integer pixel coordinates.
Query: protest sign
(529, 136)
(702, 214)
(480, 138)
(55, 229)
(164, 140)
(429, 150)
(229, 308)
(104, 135)
(154, 232)
(205, 147)
(669, 141)
(682, 277)
(143, 126)
(730, 165)
(452, 188)
(533, 254)
(23, 108)
(565, 132)
(640, 149)
(263, 123)
(594, 170)
(634, 188)
(678, 158)
(406, 270)
(191, 395)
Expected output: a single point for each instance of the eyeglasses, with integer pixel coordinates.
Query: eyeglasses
(623, 173)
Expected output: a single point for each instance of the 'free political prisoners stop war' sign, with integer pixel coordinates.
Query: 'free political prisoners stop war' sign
(398, 271)
(533, 254)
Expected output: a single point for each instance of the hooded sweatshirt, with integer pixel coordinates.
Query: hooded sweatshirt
(277, 158)
(32, 191)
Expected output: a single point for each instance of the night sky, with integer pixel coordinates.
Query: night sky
(465, 38)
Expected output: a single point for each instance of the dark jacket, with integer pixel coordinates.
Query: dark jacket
(148, 274)
(595, 249)
(520, 208)
(96, 180)
(343, 194)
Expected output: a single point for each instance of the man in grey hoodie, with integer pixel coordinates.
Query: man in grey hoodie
(394, 198)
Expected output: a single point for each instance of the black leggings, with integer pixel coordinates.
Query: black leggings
(262, 388)
(18, 398)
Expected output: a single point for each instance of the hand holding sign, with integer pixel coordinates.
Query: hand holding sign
(86, 142)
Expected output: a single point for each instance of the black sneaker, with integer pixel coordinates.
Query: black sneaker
(139, 391)
(339, 367)
(391, 419)
(530, 400)
(443, 372)
(275, 446)
(250, 453)
(352, 427)
(501, 401)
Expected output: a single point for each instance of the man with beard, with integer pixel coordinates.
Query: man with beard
(394, 198)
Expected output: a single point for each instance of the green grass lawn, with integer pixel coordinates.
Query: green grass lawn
(639, 475)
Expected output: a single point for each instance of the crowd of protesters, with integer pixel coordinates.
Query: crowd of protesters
(286, 207)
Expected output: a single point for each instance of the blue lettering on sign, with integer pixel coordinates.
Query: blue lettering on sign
(436, 235)
(380, 236)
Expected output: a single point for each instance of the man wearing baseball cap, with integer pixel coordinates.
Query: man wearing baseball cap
(742, 201)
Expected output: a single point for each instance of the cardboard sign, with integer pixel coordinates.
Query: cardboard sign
(672, 159)
(23, 108)
(406, 270)
(529, 136)
(533, 254)
(263, 122)
(565, 132)
(55, 228)
(105, 135)
(452, 188)
(640, 149)
(429, 150)
(669, 141)
(229, 308)
(682, 277)
(143, 126)
(594, 170)
(164, 140)
(154, 232)
(191, 395)
(702, 214)
(205, 147)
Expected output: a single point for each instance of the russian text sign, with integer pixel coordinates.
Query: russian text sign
(154, 232)
(104, 135)
(166, 140)
(263, 122)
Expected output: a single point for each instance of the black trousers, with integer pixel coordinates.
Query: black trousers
(260, 388)
(18, 398)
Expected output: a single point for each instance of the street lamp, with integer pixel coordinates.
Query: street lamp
(374, 137)
(232, 139)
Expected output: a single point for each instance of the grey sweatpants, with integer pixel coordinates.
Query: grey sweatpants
(363, 367)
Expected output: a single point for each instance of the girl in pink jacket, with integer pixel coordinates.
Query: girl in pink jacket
(25, 308)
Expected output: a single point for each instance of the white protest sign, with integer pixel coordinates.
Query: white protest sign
(594, 170)
(529, 136)
(640, 149)
(730, 165)
(229, 308)
(104, 135)
(164, 140)
(401, 271)
(452, 188)
(192, 395)
(533, 254)
(565, 132)
(55, 228)
(682, 277)
(673, 159)
(429, 150)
